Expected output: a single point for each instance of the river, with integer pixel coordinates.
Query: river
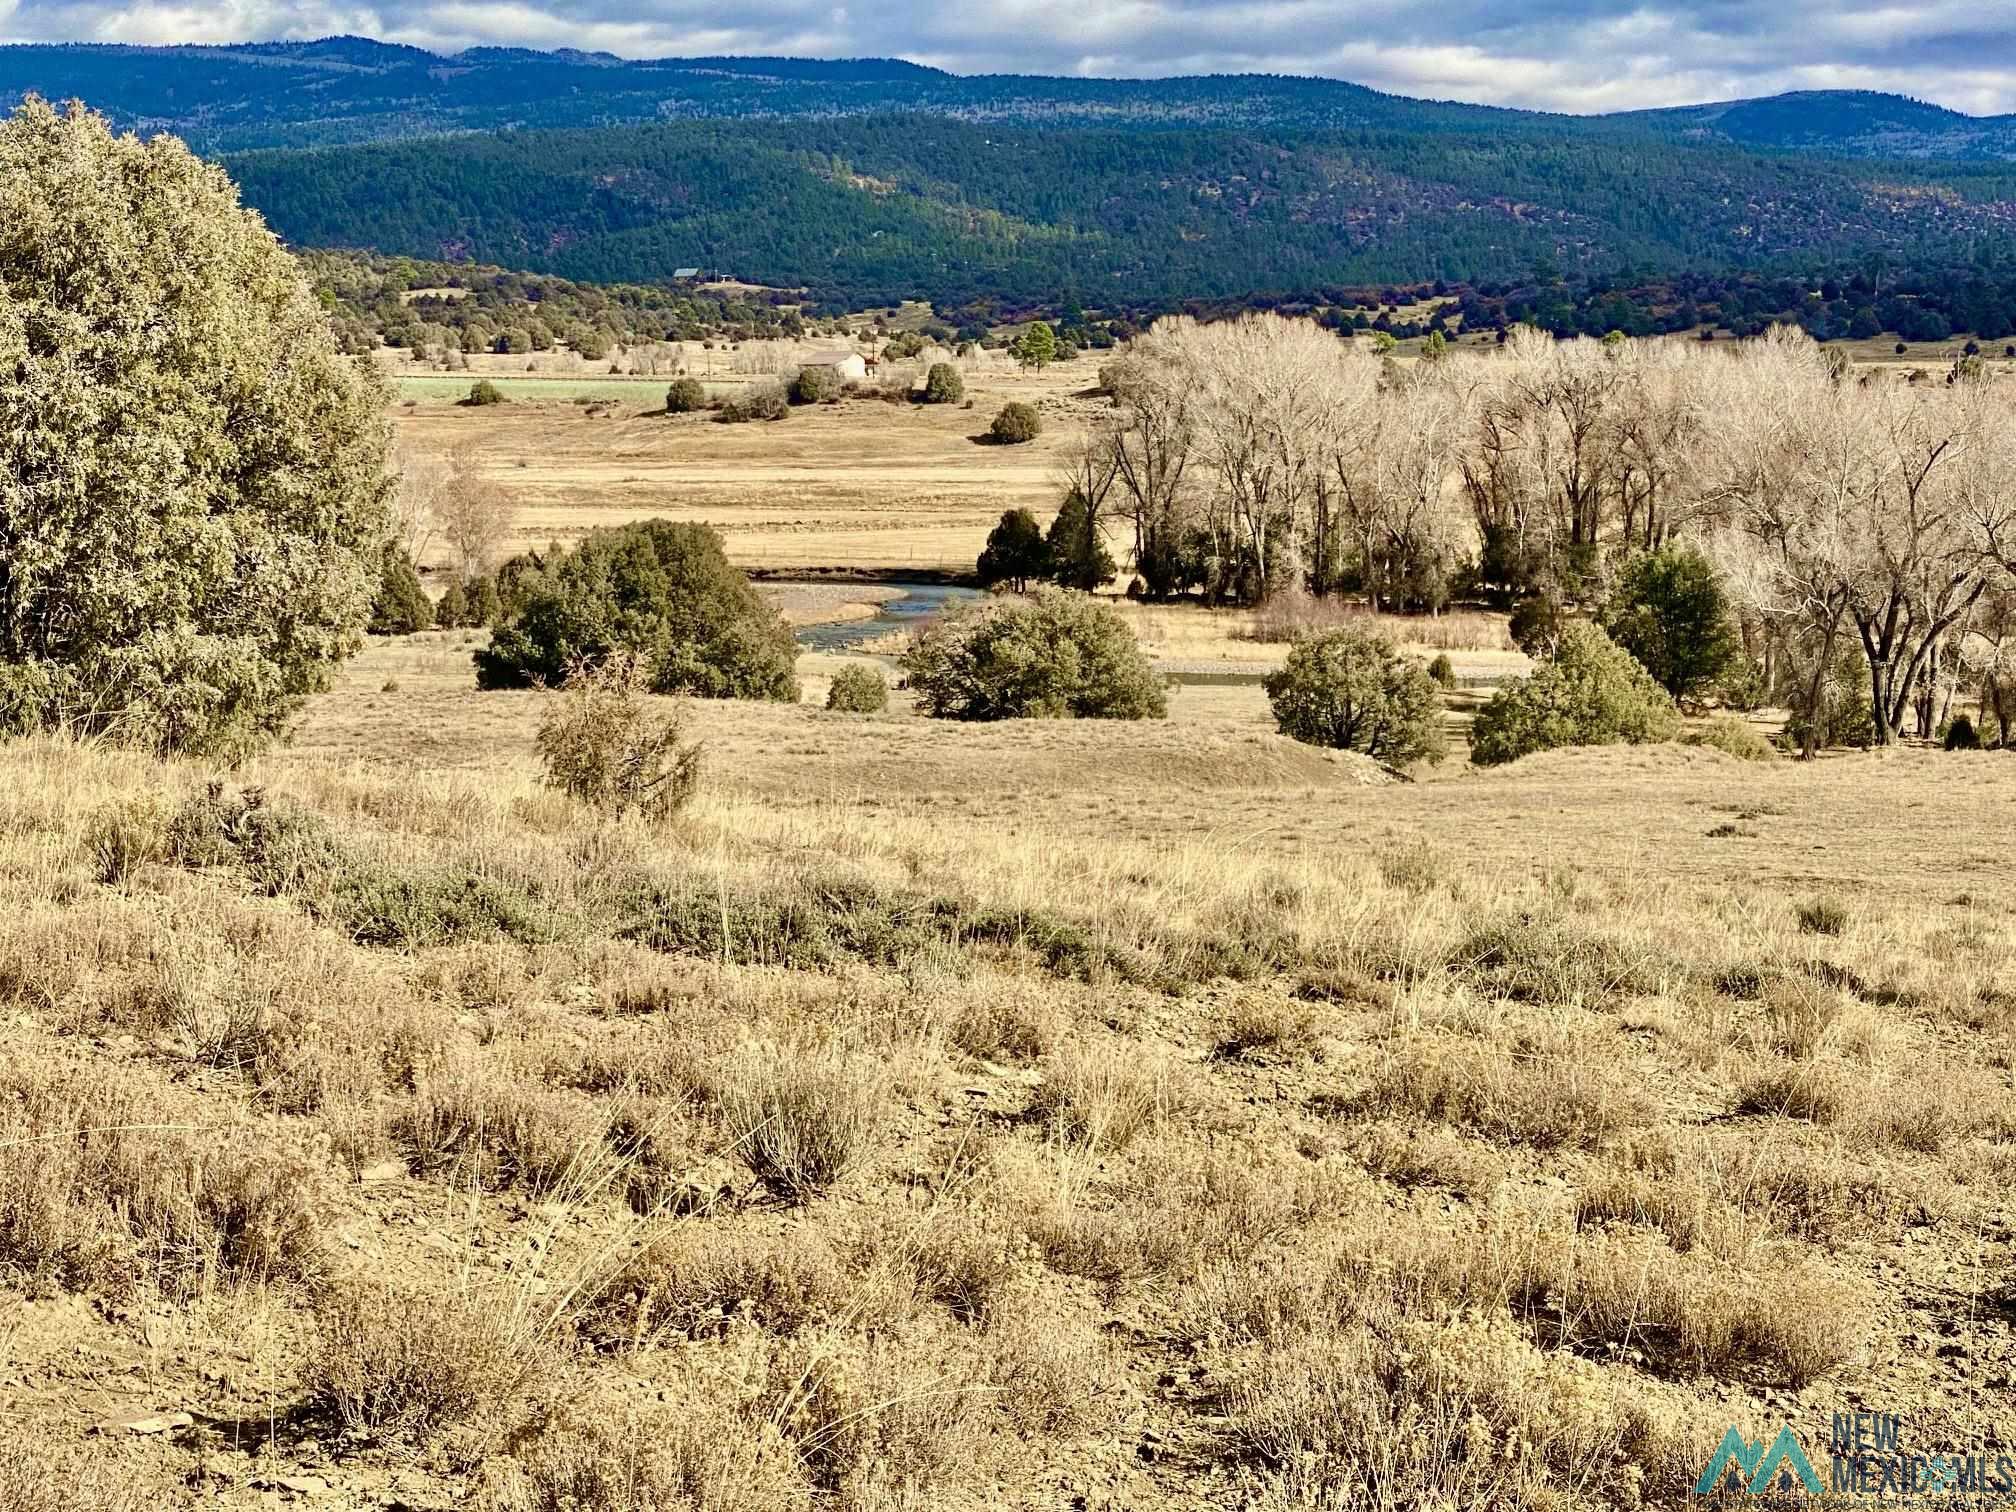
(919, 601)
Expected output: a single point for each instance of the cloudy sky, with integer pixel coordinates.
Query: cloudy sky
(1579, 55)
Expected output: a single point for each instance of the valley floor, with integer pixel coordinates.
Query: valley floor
(1036, 1115)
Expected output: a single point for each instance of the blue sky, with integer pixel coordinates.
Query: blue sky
(1580, 55)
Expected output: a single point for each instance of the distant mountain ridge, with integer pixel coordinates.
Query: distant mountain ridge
(869, 180)
(353, 89)
(1846, 122)
(223, 98)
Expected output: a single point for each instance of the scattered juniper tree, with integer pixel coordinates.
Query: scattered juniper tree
(857, 689)
(175, 410)
(1591, 693)
(1078, 555)
(1351, 691)
(402, 605)
(1016, 423)
(1059, 655)
(1036, 347)
(1668, 610)
(943, 385)
(660, 590)
(1016, 553)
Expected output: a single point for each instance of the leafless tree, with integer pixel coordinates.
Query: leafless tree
(423, 480)
(473, 514)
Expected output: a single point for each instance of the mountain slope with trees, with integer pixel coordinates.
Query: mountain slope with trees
(353, 89)
(876, 208)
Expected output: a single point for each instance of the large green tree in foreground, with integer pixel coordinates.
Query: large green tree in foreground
(192, 480)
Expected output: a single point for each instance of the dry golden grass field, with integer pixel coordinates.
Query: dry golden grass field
(1029, 1116)
(859, 483)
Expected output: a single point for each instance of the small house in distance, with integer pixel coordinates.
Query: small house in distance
(848, 367)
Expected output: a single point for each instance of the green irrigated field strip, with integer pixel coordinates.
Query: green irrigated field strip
(649, 392)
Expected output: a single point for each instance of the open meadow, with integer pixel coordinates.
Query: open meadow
(1028, 1115)
(861, 483)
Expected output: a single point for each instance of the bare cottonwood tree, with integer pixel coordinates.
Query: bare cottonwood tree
(473, 514)
(422, 482)
(1856, 507)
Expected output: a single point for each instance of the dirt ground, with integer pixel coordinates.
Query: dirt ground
(1203, 1102)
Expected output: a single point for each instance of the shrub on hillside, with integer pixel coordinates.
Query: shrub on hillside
(1535, 626)
(660, 590)
(1351, 691)
(943, 385)
(1591, 693)
(402, 605)
(760, 401)
(602, 744)
(1017, 422)
(483, 392)
(1016, 553)
(175, 409)
(858, 690)
(684, 396)
(814, 385)
(1670, 613)
(1060, 655)
(1730, 735)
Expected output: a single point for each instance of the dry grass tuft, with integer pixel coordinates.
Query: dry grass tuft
(700, 1281)
(99, 1191)
(618, 1460)
(801, 1119)
(405, 1362)
(1099, 1096)
(1555, 1091)
(1270, 1029)
(480, 1126)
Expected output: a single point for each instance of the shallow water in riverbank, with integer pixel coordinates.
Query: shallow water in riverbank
(919, 601)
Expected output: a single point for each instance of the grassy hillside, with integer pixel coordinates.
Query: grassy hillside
(983, 1117)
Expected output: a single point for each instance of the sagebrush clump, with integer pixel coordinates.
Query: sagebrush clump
(858, 690)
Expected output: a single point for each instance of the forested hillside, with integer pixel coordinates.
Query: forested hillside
(872, 209)
(352, 89)
(872, 180)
